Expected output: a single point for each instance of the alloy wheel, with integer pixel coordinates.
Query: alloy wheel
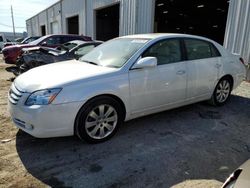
(223, 91)
(101, 121)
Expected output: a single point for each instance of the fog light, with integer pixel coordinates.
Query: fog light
(29, 126)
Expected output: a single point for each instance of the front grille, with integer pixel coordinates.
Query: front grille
(14, 94)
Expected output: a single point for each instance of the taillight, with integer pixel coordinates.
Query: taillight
(242, 61)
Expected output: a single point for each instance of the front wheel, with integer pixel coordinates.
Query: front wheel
(98, 120)
(222, 92)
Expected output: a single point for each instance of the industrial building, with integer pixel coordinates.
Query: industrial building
(225, 21)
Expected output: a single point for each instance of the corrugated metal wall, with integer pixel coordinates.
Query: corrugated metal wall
(128, 17)
(92, 6)
(46, 17)
(42, 17)
(34, 23)
(70, 9)
(54, 15)
(29, 27)
(237, 35)
(145, 16)
(137, 16)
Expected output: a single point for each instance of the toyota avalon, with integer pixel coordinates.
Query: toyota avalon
(122, 79)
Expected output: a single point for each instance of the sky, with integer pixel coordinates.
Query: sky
(22, 10)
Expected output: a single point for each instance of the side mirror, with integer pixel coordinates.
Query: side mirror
(76, 55)
(44, 43)
(145, 62)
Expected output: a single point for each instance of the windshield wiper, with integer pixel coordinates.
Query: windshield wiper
(90, 62)
(113, 66)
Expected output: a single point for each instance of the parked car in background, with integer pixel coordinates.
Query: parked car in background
(30, 39)
(19, 40)
(11, 53)
(37, 56)
(2, 41)
(122, 79)
(24, 41)
(9, 43)
(240, 178)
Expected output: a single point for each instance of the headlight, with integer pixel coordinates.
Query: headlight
(42, 97)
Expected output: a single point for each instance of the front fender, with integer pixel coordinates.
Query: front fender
(117, 85)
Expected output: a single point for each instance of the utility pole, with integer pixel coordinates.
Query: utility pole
(13, 24)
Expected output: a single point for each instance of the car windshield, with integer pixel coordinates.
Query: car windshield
(68, 46)
(36, 42)
(29, 40)
(114, 53)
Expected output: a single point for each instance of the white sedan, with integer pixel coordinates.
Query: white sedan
(122, 79)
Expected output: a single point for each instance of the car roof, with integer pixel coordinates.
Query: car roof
(78, 42)
(65, 35)
(152, 36)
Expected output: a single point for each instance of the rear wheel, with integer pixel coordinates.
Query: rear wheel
(222, 92)
(99, 119)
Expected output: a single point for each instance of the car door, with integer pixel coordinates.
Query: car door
(203, 65)
(161, 85)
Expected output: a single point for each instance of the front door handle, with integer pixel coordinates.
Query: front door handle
(180, 72)
(217, 65)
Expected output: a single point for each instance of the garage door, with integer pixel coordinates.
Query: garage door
(54, 28)
(73, 25)
(199, 17)
(107, 22)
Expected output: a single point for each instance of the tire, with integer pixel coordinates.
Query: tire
(222, 92)
(99, 119)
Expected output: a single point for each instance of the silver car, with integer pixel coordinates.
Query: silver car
(122, 79)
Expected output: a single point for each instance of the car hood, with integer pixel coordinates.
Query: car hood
(58, 75)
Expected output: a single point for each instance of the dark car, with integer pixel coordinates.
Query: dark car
(19, 40)
(11, 53)
(37, 56)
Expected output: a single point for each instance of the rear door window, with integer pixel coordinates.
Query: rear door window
(199, 49)
(1, 39)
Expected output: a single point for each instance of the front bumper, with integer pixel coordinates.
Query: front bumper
(44, 121)
(9, 60)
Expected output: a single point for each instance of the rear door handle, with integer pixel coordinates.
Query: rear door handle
(180, 72)
(217, 65)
